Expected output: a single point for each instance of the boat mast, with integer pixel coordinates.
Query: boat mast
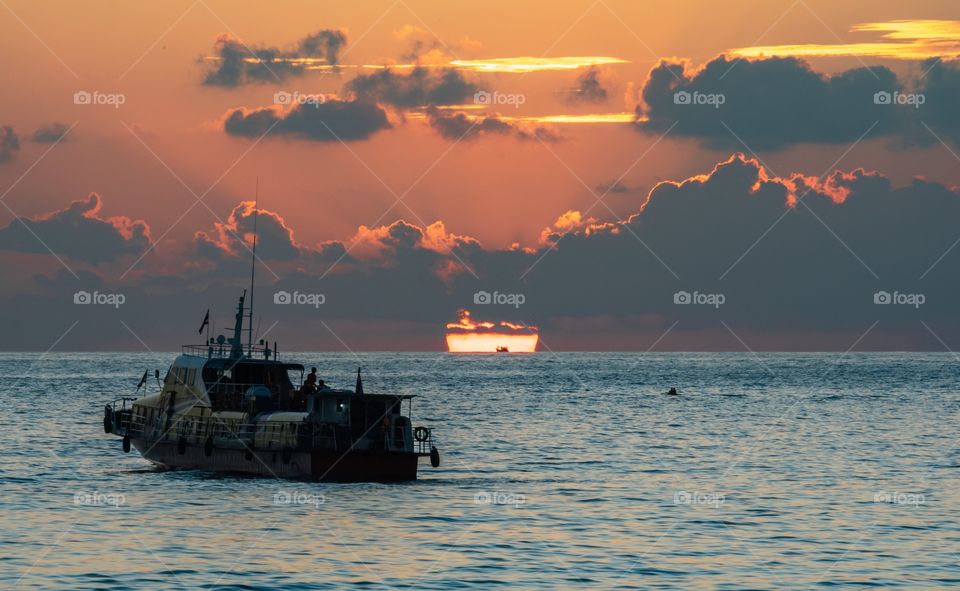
(253, 263)
(236, 343)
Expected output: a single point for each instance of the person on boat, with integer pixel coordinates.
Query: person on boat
(268, 382)
(311, 384)
(385, 431)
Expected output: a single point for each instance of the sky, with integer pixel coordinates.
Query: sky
(607, 175)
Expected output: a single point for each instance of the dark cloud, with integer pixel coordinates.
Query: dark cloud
(77, 232)
(458, 125)
(228, 239)
(327, 121)
(792, 275)
(589, 88)
(940, 86)
(769, 103)
(421, 87)
(238, 64)
(48, 134)
(617, 186)
(9, 143)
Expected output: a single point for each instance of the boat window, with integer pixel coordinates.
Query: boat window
(295, 376)
(191, 376)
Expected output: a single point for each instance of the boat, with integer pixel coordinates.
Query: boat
(503, 349)
(224, 407)
(227, 407)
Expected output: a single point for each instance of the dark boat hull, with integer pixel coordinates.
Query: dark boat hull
(315, 465)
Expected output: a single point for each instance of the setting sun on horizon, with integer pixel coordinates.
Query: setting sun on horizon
(468, 335)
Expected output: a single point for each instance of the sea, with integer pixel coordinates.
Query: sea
(558, 471)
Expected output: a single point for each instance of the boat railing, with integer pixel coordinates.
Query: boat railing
(120, 414)
(425, 444)
(224, 350)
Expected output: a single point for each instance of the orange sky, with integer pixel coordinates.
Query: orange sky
(151, 158)
(111, 47)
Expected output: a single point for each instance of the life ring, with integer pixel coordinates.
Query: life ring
(421, 433)
(182, 445)
(208, 446)
(126, 444)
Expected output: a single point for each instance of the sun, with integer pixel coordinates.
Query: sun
(467, 335)
(489, 342)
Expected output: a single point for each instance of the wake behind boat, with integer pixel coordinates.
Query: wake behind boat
(223, 407)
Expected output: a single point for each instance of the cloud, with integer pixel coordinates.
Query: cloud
(901, 40)
(327, 121)
(9, 143)
(467, 324)
(569, 222)
(426, 49)
(526, 64)
(783, 267)
(615, 187)
(460, 125)
(237, 64)
(77, 232)
(233, 238)
(48, 134)
(812, 269)
(375, 243)
(768, 103)
(941, 87)
(792, 274)
(588, 89)
(420, 87)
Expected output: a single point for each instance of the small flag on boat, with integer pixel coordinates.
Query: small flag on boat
(206, 321)
(359, 388)
(143, 380)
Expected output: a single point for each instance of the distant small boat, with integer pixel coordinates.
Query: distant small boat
(503, 350)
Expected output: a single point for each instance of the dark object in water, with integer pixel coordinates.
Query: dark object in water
(671, 392)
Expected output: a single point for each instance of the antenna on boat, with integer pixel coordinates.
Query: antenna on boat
(253, 261)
